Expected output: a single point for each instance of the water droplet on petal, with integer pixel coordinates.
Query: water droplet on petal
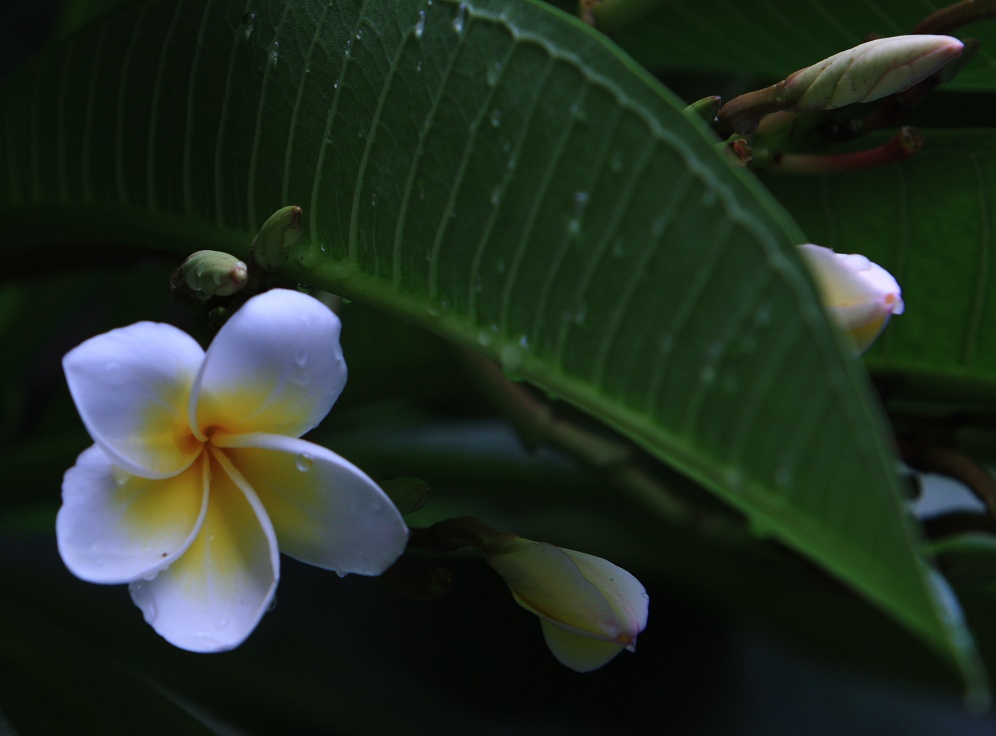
(304, 462)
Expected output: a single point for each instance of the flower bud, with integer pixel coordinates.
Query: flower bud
(589, 609)
(209, 273)
(864, 73)
(406, 493)
(280, 232)
(859, 295)
(869, 71)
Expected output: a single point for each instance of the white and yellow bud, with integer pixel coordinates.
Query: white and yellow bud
(589, 609)
(859, 295)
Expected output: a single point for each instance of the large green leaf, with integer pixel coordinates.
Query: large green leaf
(500, 174)
(929, 220)
(775, 37)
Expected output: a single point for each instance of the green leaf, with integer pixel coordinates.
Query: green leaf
(777, 37)
(929, 221)
(498, 173)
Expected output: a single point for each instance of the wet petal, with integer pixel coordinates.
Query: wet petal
(325, 511)
(211, 598)
(131, 388)
(579, 652)
(115, 527)
(276, 366)
(545, 580)
(622, 591)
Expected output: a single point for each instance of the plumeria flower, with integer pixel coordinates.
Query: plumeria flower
(197, 475)
(589, 609)
(859, 295)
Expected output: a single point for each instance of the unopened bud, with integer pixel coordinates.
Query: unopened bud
(859, 295)
(869, 72)
(864, 73)
(589, 609)
(705, 108)
(209, 273)
(280, 233)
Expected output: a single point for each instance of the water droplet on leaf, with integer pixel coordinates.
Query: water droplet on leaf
(249, 24)
(460, 19)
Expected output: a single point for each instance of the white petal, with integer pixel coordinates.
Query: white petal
(622, 591)
(326, 511)
(131, 387)
(211, 598)
(115, 527)
(580, 653)
(545, 580)
(276, 366)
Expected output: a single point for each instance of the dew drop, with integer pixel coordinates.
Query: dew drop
(460, 19)
(493, 73)
(418, 66)
(335, 84)
(301, 358)
(359, 33)
(420, 24)
(495, 118)
(373, 199)
(581, 315)
(304, 462)
(307, 68)
(249, 21)
(274, 54)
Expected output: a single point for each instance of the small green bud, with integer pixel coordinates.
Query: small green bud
(280, 233)
(209, 273)
(705, 108)
(407, 494)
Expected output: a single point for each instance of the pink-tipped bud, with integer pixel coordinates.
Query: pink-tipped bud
(859, 295)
